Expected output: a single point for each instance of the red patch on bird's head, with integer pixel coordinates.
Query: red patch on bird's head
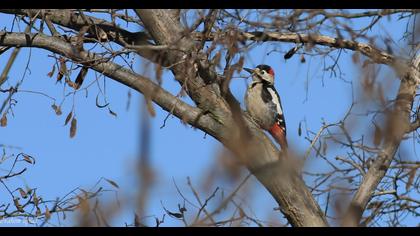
(271, 72)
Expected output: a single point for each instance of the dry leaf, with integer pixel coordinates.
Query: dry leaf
(35, 199)
(377, 139)
(54, 107)
(83, 204)
(73, 127)
(59, 76)
(63, 69)
(175, 214)
(47, 213)
(57, 109)
(17, 205)
(38, 211)
(291, 52)
(51, 73)
(3, 120)
(241, 212)
(71, 83)
(80, 77)
(23, 193)
(28, 190)
(68, 118)
(112, 183)
(302, 59)
(27, 159)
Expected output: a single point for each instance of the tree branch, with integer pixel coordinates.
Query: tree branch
(75, 21)
(370, 51)
(398, 124)
(164, 99)
(260, 155)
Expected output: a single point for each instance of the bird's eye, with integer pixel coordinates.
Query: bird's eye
(263, 72)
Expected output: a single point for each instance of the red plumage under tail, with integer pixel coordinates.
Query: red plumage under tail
(279, 135)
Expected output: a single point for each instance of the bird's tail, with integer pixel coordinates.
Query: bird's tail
(279, 135)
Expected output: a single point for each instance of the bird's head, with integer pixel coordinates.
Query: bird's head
(262, 73)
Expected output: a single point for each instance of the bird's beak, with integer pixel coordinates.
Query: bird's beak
(248, 70)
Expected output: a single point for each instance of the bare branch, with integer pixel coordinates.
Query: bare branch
(164, 99)
(370, 51)
(398, 124)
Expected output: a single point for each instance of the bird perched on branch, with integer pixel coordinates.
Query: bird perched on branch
(263, 103)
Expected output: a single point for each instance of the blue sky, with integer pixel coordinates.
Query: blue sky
(108, 146)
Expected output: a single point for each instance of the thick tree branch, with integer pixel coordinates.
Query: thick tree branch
(260, 156)
(74, 21)
(398, 125)
(164, 99)
(167, 31)
(370, 51)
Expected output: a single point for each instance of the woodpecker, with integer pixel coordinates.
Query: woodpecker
(264, 105)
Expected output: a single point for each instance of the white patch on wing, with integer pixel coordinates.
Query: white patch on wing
(276, 100)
